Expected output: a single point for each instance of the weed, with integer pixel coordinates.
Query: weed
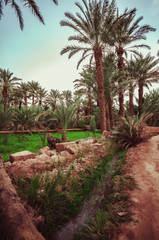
(101, 226)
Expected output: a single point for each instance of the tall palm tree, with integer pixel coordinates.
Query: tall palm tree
(93, 25)
(24, 88)
(111, 86)
(41, 95)
(147, 72)
(34, 87)
(66, 96)
(7, 81)
(88, 86)
(26, 3)
(128, 32)
(131, 77)
(52, 98)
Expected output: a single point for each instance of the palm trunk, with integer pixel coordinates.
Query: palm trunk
(140, 97)
(120, 52)
(89, 102)
(111, 114)
(64, 137)
(40, 102)
(107, 119)
(4, 93)
(20, 105)
(100, 83)
(25, 101)
(131, 104)
(33, 101)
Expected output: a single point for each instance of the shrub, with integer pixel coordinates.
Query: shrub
(129, 131)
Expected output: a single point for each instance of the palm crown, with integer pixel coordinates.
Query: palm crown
(26, 3)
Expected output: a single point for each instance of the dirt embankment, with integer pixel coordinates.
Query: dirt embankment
(143, 166)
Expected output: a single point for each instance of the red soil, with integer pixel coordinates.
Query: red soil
(143, 166)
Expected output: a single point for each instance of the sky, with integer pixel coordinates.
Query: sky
(34, 53)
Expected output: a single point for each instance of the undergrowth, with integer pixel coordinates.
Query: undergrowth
(114, 210)
(60, 198)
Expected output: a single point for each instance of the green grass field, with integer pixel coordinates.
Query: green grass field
(17, 142)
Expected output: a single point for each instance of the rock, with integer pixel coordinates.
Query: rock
(52, 141)
(122, 214)
(22, 156)
(29, 167)
(46, 150)
(70, 147)
(105, 134)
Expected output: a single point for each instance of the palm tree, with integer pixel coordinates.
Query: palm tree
(88, 86)
(23, 119)
(41, 94)
(63, 114)
(92, 25)
(33, 89)
(53, 98)
(147, 72)
(24, 88)
(26, 3)
(66, 96)
(111, 86)
(7, 81)
(128, 32)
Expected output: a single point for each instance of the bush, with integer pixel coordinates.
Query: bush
(129, 131)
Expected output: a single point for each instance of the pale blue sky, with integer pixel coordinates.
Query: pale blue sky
(34, 53)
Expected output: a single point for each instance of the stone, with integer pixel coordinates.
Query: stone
(22, 156)
(52, 141)
(46, 150)
(105, 134)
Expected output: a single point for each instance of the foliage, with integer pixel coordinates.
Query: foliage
(56, 205)
(23, 118)
(5, 119)
(129, 131)
(31, 4)
(106, 217)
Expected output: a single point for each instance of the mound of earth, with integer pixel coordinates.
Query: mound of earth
(81, 153)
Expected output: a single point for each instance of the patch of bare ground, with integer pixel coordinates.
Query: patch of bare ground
(143, 166)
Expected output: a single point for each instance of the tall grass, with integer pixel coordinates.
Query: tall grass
(59, 205)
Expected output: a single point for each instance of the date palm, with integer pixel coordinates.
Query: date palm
(87, 85)
(7, 81)
(41, 94)
(33, 89)
(93, 24)
(24, 3)
(147, 72)
(24, 88)
(53, 97)
(128, 32)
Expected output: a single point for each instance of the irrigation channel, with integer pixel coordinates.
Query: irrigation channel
(88, 210)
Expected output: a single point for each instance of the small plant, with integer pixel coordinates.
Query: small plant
(43, 136)
(129, 132)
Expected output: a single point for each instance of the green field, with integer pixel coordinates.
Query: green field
(18, 142)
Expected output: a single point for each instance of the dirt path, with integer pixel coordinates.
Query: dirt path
(143, 166)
